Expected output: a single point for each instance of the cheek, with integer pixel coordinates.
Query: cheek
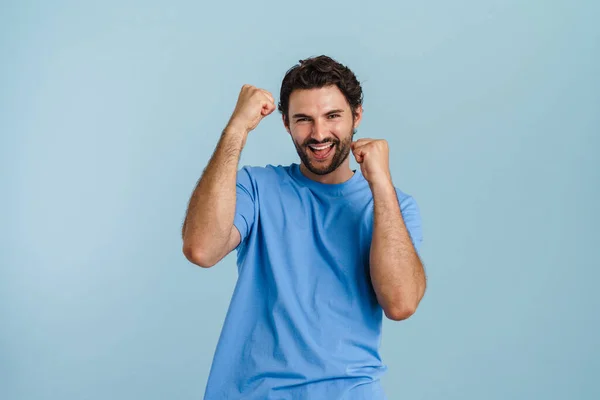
(300, 134)
(343, 125)
(298, 137)
(342, 128)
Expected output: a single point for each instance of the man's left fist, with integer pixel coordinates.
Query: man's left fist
(373, 157)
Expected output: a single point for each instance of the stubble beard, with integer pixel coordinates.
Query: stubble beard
(342, 150)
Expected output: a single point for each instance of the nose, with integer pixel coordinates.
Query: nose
(319, 131)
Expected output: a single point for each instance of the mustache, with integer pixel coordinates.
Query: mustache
(312, 141)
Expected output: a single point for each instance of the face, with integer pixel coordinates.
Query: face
(321, 126)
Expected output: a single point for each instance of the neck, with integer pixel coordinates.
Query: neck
(340, 175)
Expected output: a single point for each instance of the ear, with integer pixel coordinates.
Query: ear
(358, 111)
(285, 124)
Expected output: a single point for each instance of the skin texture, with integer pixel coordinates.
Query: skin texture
(316, 116)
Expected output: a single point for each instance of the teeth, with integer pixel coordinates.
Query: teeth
(321, 147)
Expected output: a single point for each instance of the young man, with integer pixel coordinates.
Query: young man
(322, 250)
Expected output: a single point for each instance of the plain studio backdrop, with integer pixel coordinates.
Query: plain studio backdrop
(110, 111)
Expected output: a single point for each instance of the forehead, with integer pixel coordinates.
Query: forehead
(315, 101)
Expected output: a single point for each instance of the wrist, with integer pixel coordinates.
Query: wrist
(236, 129)
(237, 125)
(381, 179)
(236, 132)
(382, 185)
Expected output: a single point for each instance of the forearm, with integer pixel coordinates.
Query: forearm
(211, 210)
(396, 271)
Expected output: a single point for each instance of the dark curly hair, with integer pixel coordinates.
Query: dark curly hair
(317, 72)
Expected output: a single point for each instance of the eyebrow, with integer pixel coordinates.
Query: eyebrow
(308, 116)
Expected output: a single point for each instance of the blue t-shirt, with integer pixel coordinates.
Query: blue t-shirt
(303, 322)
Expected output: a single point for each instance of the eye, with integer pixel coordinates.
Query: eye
(334, 115)
(302, 119)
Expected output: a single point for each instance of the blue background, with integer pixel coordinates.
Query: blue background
(109, 112)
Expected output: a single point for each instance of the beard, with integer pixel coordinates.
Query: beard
(341, 149)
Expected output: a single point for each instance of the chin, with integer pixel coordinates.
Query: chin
(321, 169)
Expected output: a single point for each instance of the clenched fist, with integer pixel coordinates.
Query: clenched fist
(252, 106)
(373, 157)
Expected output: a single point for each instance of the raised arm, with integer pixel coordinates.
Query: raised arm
(208, 232)
(397, 273)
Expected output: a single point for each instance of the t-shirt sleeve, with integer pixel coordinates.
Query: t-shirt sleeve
(412, 219)
(244, 203)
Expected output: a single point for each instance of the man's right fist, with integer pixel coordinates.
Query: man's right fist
(252, 106)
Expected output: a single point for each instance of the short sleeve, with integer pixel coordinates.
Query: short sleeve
(412, 219)
(244, 203)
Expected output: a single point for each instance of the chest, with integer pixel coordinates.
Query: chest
(300, 218)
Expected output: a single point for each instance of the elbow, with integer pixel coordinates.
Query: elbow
(400, 310)
(400, 313)
(198, 257)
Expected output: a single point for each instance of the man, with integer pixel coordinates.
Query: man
(322, 250)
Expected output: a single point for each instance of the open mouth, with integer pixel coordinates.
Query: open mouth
(321, 151)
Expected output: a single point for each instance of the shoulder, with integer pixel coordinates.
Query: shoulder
(268, 173)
